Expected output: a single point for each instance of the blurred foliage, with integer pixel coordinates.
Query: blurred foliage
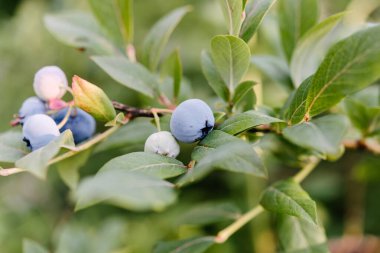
(42, 211)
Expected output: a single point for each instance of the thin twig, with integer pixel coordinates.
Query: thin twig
(134, 112)
(224, 234)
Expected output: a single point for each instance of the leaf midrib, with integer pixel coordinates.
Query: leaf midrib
(292, 200)
(339, 74)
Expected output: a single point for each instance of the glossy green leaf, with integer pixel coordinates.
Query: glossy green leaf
(209, 213)
(350, 65)
(134, 133)
(37, 162)
(232, 11)
(296, 17)
(213, 140)
(132, 75)
(79, 30)
(241, 90)
(366, 119)
(12, 147)
(126, 189)
(29, 246)
(172, 67)
(237, 156)
(274, 68)
(192, 245)
(301, 236)
(245, 121)
(231, 57)
(92, 99)
(213, 77)
(68, 169)
(295, 107)
(324, 134)
(147, 163)
(312, 47)
(158, 36)
(287, 197)
(255, 13)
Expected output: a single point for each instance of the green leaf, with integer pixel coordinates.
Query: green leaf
(126, 189)
(12, 147)
(231, 57)
(147, 163)
(350, 65)
(232, 11)
(296, 17)
(324, 134)
(241, 90)
(92, 99)
(295, 107)
(305, 237)
(77, 236)
(274, 68)
(68, 169)
(116, 17)
(79, 30)
(312, 47)
(134, 133)
(213, 140)
(192, 245)
(105, 12)
(237, 156)
(362, 117)
(245, 121)
(158, 36)
(172, 67)
(37, 162)
(213, 77)
(29, 246)
(255, 13)
(287, 197)
(209, 213)
(126, 18)
(132, 75)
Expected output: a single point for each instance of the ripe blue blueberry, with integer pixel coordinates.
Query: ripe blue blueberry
(162, 143)
(50, 83)
(191, 121)
(81, 124)
(38, 130)
(31, 106)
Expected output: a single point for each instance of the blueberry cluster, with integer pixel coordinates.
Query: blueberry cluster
(191, 121)
(40, 115)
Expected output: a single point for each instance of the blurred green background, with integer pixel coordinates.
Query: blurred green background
(42, 211)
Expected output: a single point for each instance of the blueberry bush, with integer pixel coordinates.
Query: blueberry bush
(190, 174)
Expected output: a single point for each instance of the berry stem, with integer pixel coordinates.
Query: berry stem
(10, 171)
(66, 118)
(86, 145)
(224, 234)
(156, 120)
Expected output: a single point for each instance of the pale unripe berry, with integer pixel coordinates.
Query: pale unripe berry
(39, 130)
(50, 83)
(162, 143)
